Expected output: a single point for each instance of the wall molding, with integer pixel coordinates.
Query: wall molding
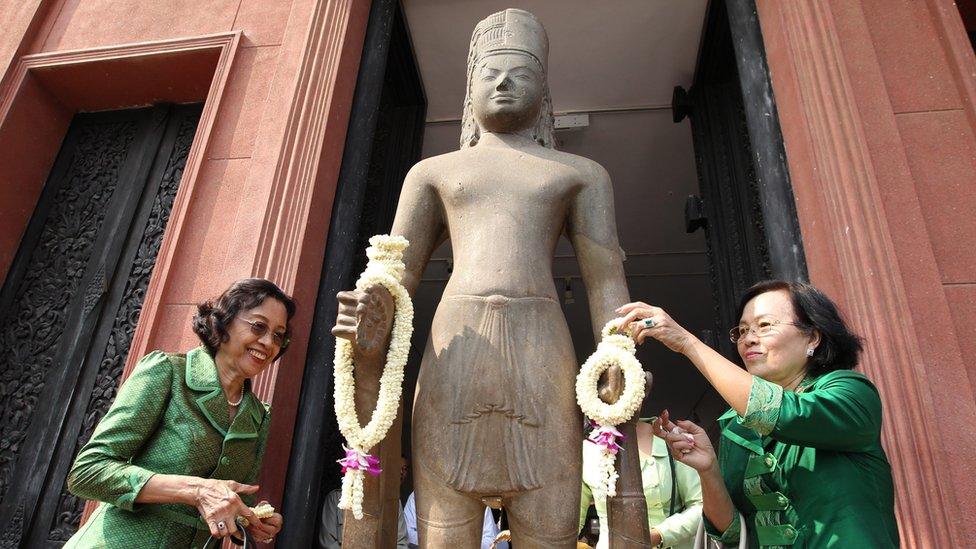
(227, 43)
(312, 121)
(833, 151)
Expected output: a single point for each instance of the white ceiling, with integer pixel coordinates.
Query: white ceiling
(603, 54)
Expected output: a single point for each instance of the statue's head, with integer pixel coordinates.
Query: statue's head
(507, 90)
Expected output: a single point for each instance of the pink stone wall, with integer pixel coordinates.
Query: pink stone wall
(877, 100)
(258, 197)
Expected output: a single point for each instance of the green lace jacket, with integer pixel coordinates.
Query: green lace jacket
(806, 468)
(170, 416)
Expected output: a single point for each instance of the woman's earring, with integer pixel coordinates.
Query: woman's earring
(810, 351)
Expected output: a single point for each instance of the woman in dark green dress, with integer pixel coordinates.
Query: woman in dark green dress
(800, 454)
(175, 458)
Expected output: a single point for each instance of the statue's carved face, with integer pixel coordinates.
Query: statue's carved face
(507, 92)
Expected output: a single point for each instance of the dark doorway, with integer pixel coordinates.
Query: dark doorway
(746, 205)
(71, 302)
(383, 142)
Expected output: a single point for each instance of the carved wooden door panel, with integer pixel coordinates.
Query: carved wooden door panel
(746, 205)
(728, 208)
(71, 301)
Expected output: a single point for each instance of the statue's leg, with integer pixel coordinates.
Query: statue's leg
(549, 516)
(446, 518)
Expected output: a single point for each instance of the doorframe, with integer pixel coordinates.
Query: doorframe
(753, 232)
(47, 89)
(782, 226)
(387, 49)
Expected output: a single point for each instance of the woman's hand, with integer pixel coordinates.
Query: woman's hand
(219, 503)
(264, 530)
(688, 442)
(366, 319)
(663, 329)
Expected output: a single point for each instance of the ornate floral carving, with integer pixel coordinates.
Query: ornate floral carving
(31, 328)
(70, 508)
(11, 537)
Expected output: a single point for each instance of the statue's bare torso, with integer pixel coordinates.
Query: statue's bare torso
(505, 210)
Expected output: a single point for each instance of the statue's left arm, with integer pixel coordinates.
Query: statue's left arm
(592, 229)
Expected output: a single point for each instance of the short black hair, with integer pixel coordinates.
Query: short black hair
(215, 315)
(839, 348)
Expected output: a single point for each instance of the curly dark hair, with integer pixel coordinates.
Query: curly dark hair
(839, 348)
(215, 315)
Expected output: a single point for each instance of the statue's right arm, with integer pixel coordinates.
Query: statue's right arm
(419, 219)
(366, 317)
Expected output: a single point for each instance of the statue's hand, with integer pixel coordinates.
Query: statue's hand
(611, 384)
(366, 319)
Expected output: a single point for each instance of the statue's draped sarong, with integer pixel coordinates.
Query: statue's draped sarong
(493, 372)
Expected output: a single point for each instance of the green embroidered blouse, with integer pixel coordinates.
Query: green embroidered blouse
(806, 468)
(170, 416)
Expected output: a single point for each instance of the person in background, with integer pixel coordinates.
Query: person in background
(489, 529)
(801, 455)
(672, 492)
(175, 458)
(330, 534)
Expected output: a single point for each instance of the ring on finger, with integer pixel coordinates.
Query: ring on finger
(648, 322)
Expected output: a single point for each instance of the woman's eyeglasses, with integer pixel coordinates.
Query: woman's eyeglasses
(761, 329)
(259, 328)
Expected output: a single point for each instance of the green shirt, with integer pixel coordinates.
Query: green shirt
(678, 530)
(806, 468)
(170, 416)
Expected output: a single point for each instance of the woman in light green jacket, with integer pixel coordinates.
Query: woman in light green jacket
(175, 458)
(800, 455)
(671, 523)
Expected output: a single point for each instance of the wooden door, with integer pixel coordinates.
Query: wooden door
(71, 302)
(746, 205)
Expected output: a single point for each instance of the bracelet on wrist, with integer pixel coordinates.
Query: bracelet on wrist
(660, 544)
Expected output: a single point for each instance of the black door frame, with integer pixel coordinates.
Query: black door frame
(787, 260)
(384, 139)
(747, 207)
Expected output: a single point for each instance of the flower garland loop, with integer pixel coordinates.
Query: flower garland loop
(619, 349)
(385, 267)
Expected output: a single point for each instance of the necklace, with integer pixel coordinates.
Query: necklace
(239, 399)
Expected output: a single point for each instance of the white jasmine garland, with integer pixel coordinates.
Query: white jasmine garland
(619, 349)
(385, 267)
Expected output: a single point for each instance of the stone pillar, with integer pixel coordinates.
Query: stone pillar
(861, 87)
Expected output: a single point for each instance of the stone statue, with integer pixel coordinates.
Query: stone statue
(495, 414)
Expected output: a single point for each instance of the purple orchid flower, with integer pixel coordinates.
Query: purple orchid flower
(607, 437)
(360, 461)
